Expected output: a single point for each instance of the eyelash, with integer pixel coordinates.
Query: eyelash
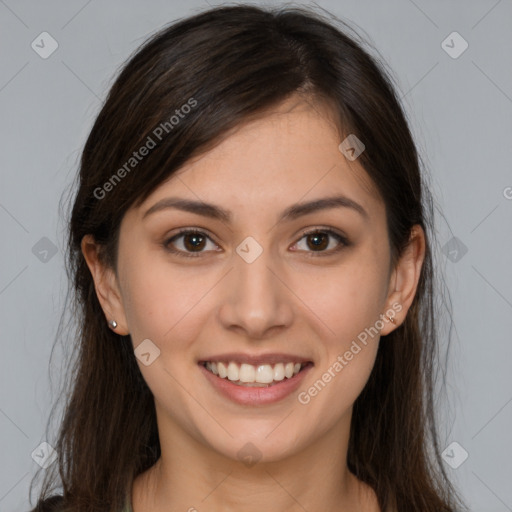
(344, 242)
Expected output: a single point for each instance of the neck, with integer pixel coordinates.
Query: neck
(190, 477)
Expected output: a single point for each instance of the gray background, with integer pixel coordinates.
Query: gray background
(460, 111)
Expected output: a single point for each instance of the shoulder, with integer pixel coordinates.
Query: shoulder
(51, 504)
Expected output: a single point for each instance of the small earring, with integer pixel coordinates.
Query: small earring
(112, 324)
(391, 319)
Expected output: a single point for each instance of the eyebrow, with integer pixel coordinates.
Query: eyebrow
(292, 212)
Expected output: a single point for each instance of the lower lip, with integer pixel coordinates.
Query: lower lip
(246, 395)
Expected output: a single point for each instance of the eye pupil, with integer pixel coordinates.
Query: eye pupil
(316, 243)
(195, 244)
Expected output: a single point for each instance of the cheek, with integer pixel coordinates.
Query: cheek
(165, 306)
(157, 296)
(346, 303)
(331, 394)
(344, 299)
(350, 309)
(147, 298)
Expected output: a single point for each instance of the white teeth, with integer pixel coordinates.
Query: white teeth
(249, 374)
(279, 371)
(246, 374)
(221, 368)
(233, 371)
(264, 374)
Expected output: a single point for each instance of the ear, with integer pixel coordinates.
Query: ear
(106, 285)
(404, 280)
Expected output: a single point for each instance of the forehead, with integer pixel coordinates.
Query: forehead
(291, 154)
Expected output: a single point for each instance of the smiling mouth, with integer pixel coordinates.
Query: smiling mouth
(248, 375)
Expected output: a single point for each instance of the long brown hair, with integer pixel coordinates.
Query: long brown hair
(231, 64)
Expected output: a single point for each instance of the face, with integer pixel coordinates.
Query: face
(310, 287)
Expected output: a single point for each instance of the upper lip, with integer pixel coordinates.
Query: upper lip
(255, 359)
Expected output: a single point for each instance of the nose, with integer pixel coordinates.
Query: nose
(256, 301)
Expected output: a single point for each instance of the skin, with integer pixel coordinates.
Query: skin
(284, 301)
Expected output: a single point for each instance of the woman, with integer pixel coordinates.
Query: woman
(250, 250)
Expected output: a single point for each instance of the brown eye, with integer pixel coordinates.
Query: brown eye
(192, 244)
(319, 240)
(193, 241)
